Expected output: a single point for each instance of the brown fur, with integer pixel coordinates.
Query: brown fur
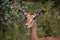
(33, 29)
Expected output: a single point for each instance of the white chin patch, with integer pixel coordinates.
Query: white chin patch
(28, 26)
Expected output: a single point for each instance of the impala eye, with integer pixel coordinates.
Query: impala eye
(34, 18)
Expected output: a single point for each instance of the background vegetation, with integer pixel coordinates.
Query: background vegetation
(12, 23)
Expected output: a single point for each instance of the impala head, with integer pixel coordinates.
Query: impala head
(30, 18)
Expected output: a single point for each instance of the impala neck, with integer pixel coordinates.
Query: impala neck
(33, 32)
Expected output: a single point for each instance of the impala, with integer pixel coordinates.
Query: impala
(31, 23)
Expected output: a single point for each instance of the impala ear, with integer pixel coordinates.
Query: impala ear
(22, 13)
(39, 14)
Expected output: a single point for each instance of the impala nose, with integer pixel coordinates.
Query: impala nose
(26, 26)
